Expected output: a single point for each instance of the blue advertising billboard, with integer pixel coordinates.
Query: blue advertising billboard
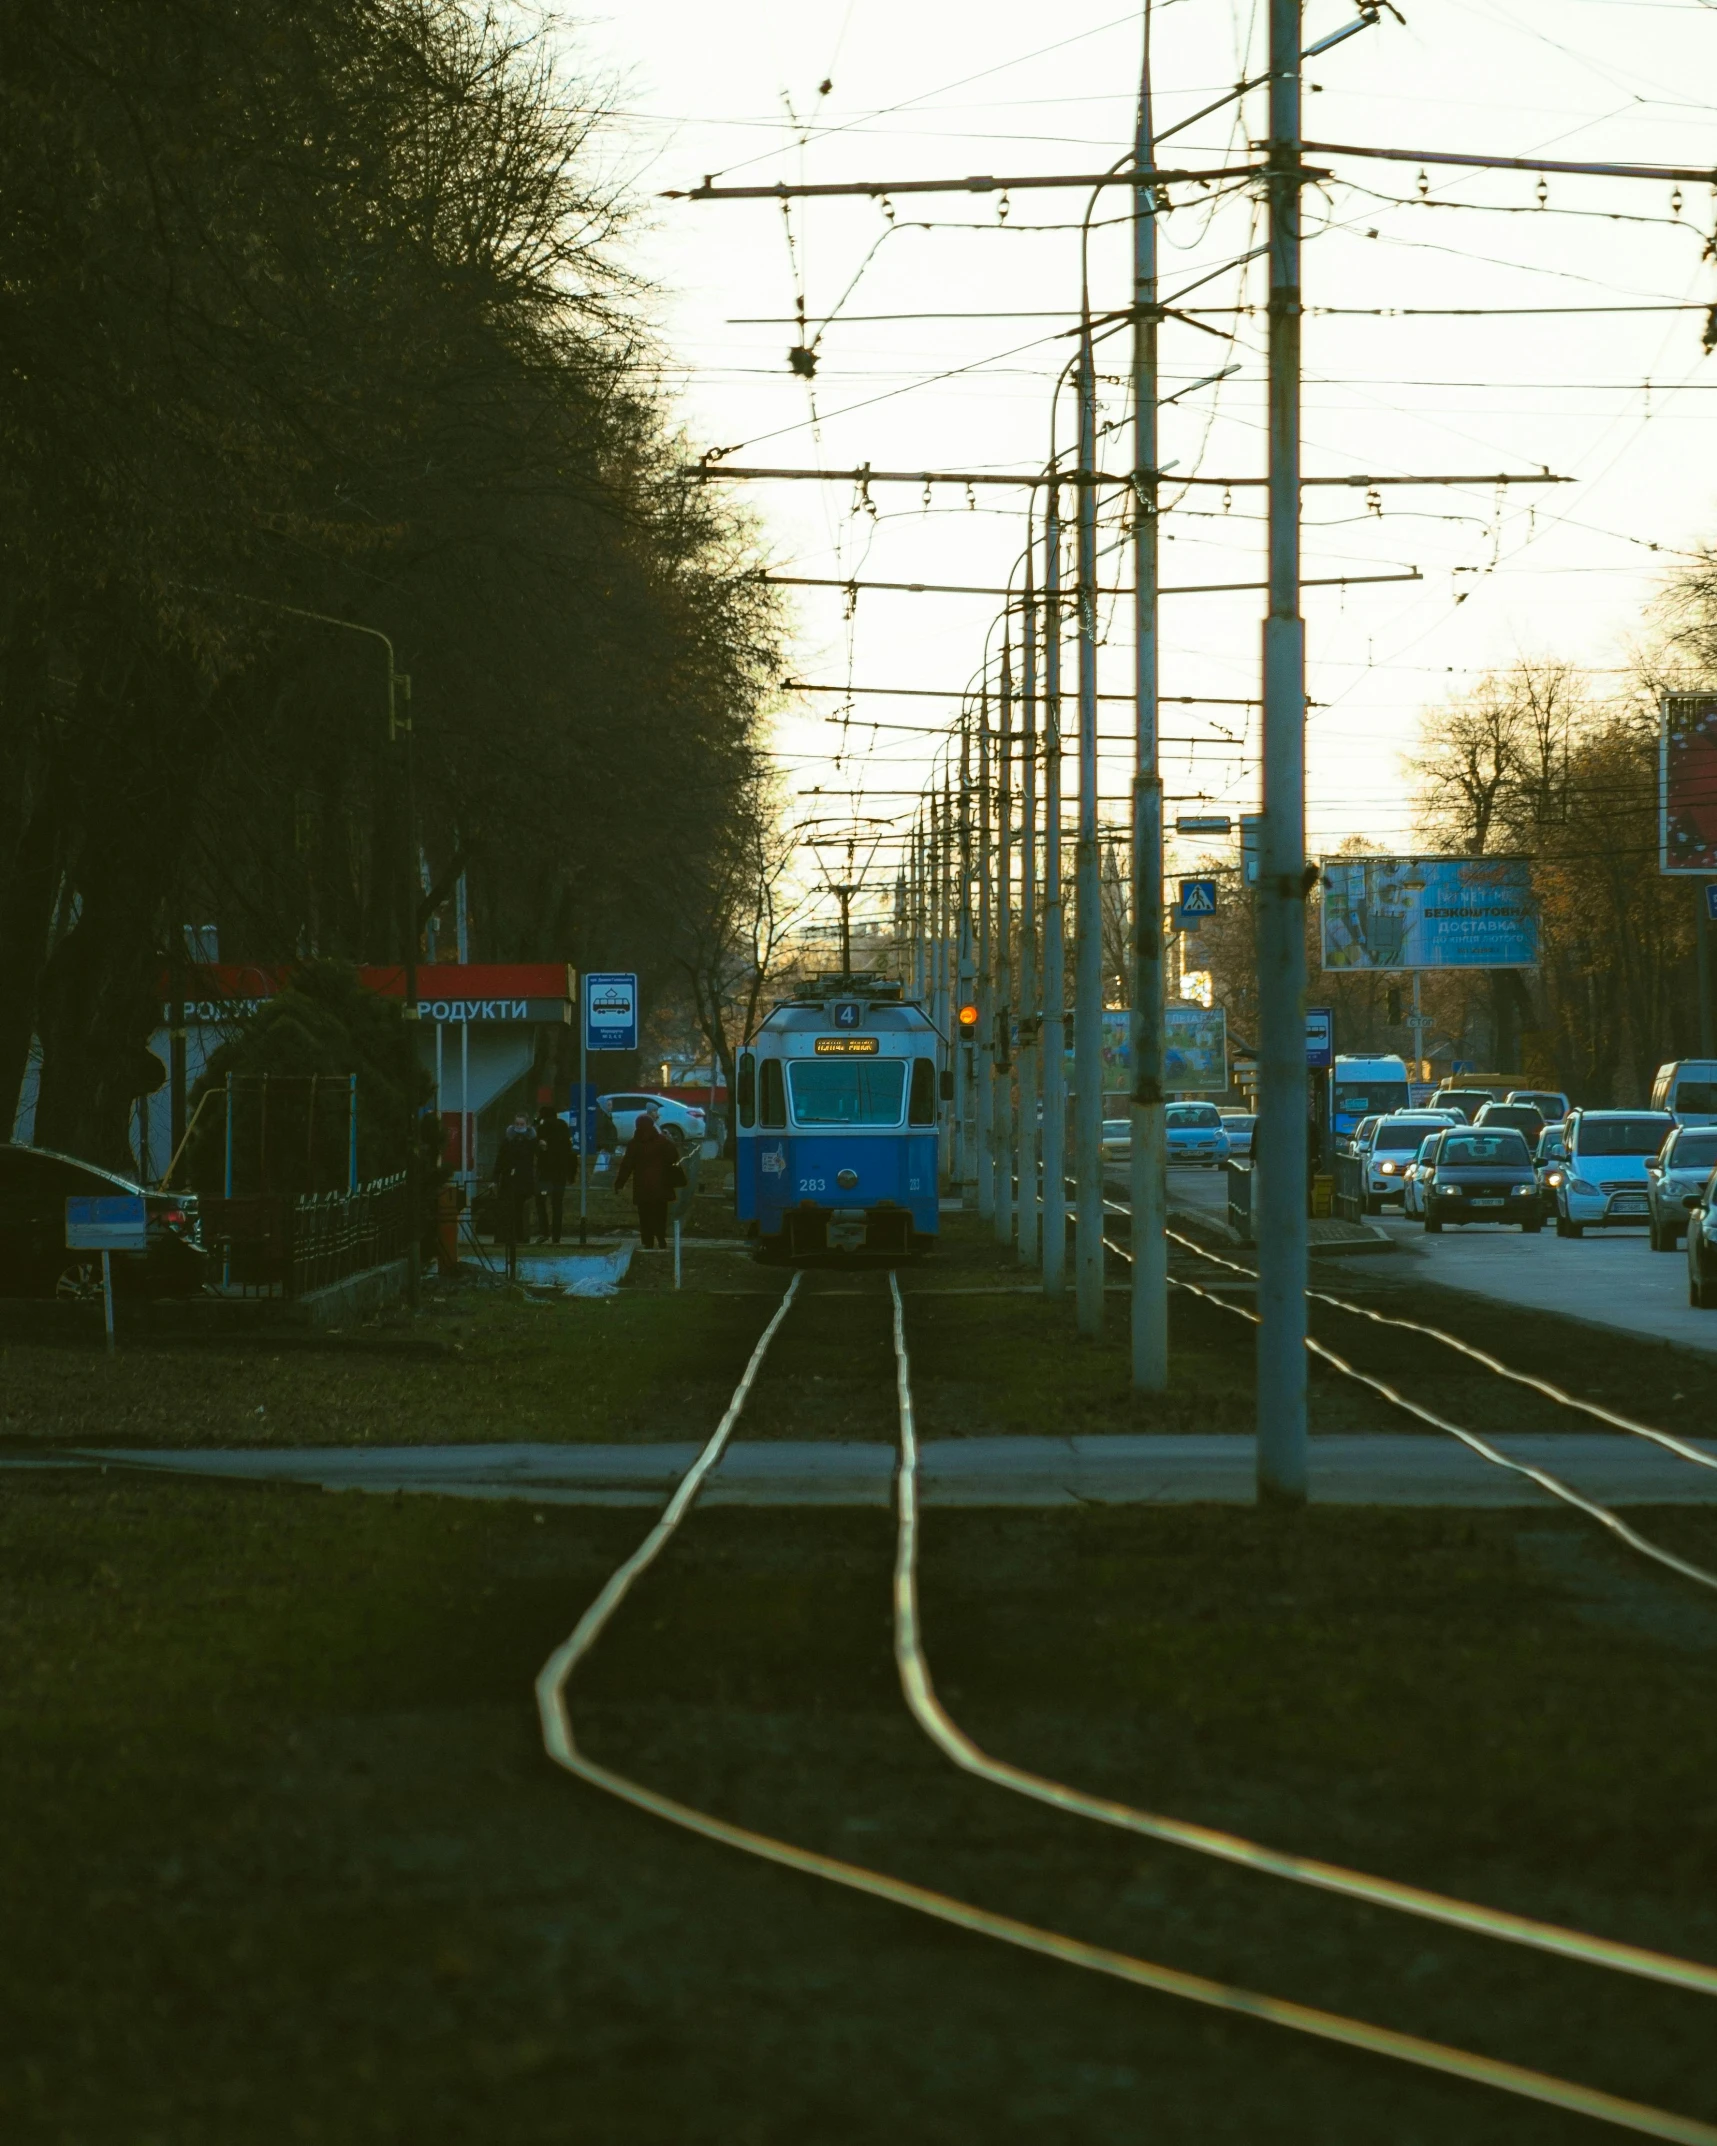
(1195, 1050)
(1428, 913)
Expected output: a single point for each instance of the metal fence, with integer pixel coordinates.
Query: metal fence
(269, 1245)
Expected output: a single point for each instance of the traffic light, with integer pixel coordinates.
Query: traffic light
(968, 1024)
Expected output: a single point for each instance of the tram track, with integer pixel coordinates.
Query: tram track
(917, 1685)
(1565, 1493)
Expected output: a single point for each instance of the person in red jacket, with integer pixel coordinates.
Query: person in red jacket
(649, 1164)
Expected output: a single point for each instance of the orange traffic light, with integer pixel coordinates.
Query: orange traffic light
(968, 1023)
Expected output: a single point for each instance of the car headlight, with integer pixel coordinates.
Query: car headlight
(1450, 1192)
(1388, 1169)
(1579, 1184)
(1522, 1192)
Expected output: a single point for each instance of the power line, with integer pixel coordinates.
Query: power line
(1206, 700)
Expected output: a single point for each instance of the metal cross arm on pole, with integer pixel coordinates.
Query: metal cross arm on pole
(975, 183)
(953, 588)
(704, 471)
(1695, 175)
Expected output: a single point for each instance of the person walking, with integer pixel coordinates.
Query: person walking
(556, 1162)
(649, 1164)
(516, 1179)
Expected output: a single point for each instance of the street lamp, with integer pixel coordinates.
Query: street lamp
(399, 731)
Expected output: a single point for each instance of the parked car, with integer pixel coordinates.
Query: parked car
(1392, 1144)
(1239, 1126)
(1675, 1181)
(1466, 1102)
(1195, 1134)
(1117, 1139)
(1524, 1118)
(1687, 1089)
(1475, 1175)
(1702, 1253)
(35, 1184)
(682, 1122)
(1603, 1181)
(1412, 1178)
(1551, 1104)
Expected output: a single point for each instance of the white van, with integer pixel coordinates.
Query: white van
(1687, 1089)
(1366, 1088)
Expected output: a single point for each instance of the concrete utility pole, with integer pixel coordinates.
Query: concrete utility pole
(984, 1053)
(1148, 1172)
(1054, 1030)
(1088, 942)
(1002, 1106)
(1030, 1057)
(968, 965)
(1280, 1209)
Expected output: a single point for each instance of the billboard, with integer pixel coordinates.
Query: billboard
(1195, 1050)
(1687, 783)
(1428, 913)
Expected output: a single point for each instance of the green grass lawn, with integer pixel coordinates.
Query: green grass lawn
(282, 1860)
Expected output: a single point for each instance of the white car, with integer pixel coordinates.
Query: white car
(1392, 1144)
(682, 1122)
(1413, 1178)
(1117, 1139)
(1676, 1181)
(1238, 1125)
(1604, 1179)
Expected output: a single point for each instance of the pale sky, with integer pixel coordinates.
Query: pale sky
(1620, 401)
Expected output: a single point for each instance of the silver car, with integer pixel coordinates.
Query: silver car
(1675, 1180)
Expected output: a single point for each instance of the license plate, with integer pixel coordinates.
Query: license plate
(1486, 1203)
(1628, 1204)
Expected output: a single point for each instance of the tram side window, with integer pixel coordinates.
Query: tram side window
(923, 1106)
(748, 1088)
(774, 1101)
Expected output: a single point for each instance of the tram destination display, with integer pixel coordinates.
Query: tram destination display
(1428, 913)
(845, 1047)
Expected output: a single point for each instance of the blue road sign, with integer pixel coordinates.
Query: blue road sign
(611, 1011)
(113, 1224)
(1711, 900)
(1198, 897)
(1320, 1038)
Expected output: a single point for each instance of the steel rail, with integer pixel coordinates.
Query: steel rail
(1552, 1392)
(561, 1746)
(932, 1717)
(1471, 1439)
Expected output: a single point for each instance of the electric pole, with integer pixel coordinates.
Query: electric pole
(1053, 1032)
(984, 1054)
(1148, 1162)
(1088, 943)
(1280, 1215)
(1001, 1109)
(1029, 1055)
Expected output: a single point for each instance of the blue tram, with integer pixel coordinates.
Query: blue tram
(837, 1123)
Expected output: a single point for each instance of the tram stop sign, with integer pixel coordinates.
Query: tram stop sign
(611, 1011)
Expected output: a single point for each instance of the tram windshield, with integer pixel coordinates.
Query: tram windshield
(847, 1091)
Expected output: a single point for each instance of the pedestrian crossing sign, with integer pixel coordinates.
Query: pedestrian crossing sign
(1198, 897)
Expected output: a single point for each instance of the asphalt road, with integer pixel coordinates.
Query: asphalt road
(1608, 1278)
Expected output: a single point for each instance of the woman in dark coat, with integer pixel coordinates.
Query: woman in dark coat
(649, 1162)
